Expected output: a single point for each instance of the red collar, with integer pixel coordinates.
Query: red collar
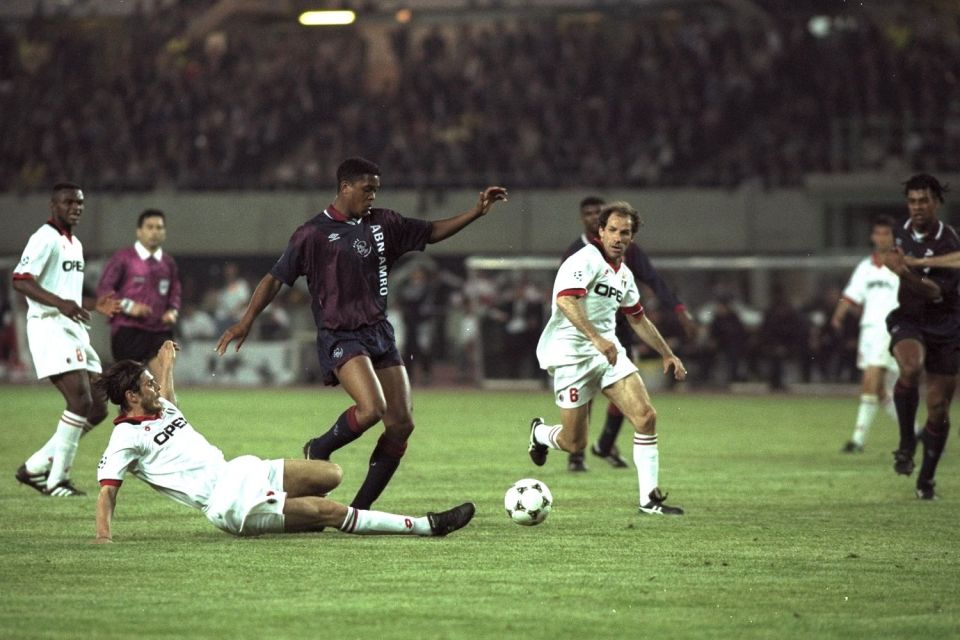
(134, 419)
(336, 215)
(64, 231)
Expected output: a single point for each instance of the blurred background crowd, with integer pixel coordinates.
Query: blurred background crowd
(708, 98)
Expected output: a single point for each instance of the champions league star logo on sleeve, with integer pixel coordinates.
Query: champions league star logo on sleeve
(578, 276)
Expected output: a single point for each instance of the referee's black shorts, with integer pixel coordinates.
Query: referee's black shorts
(129, 343)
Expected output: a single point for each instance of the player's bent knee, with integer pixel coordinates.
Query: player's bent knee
(645, 421)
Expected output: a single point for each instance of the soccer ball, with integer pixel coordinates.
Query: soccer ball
(528, 502)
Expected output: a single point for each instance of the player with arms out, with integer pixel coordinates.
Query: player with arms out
(246, 496)
(146, 281)
(346, 253)
(924, 329)
(580, 350)
(872, 291)
(639, 263)
(50, 275)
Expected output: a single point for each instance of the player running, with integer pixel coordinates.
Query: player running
(579, 348)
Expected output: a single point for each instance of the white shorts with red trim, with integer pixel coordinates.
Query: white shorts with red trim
(248, 498)
(58, 344)
(574, 385)
(873, 348)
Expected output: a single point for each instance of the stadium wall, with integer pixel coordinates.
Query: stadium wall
(677, 221)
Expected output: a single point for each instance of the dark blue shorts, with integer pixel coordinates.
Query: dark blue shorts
(942, 347)
(378, 342)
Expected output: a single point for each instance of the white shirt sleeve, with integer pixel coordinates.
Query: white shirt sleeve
(856, 290)
(122, 450)
(575, 275)
(35, 254)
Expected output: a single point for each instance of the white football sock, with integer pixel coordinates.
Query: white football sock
(646, 457)
(865, 414)
(40, 461)
(69, 430)
(363, 521)
(547, 434)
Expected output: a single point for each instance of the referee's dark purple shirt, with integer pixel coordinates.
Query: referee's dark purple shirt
(347, 262)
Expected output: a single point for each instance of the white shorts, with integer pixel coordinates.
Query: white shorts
(58, 344)
(574, 385)
(873, 348)
(248, 498)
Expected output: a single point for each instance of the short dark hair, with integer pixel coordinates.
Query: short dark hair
(150, 213)
(123, 376)
(624, 208)
(590, 201)
(61, 186)
(883, 221)
(923, 181)
(352, 169)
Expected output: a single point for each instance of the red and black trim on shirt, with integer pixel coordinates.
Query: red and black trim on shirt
(135, 419)
(599, 245)
(64, 231)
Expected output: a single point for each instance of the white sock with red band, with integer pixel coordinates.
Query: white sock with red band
(646, 457)
(363, 521)
(69, 430)
(547, 434)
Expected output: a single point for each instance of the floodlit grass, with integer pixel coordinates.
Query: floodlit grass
(784, 537)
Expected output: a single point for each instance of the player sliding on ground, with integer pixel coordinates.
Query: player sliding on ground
(246, 496)
(579, 349)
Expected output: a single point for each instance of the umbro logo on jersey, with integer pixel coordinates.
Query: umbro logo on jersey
(333, 237)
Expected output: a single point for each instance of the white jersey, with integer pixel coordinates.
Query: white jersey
(54, 259)
(604, 289)
(873, 287)
(165, 452)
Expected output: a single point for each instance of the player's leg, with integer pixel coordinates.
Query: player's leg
(942, 367)
(75, 388)
(605, 446)
(360, 382)
(633, 399)
(311, 513)
(392, 444)
(575, 461)
(910, 354)
(574, 388)
(871, 387)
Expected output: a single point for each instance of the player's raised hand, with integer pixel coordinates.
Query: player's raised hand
(489, 197)
(237, 332)
(168, 351)
(679, 371)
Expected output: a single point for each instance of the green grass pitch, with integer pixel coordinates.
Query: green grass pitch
(784, 537)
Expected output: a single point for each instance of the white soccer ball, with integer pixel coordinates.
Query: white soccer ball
(528, 502)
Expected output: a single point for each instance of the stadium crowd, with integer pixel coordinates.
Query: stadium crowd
(649, 100)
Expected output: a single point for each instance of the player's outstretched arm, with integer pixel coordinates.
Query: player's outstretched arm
(947, 261)
(166, 357)
(573, 309)
(106, 503)
(649, 334)
(443, 229)
(265, 292)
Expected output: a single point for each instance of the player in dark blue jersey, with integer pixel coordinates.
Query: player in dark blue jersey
(644, 272)
(924, 329)
(346, 253)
